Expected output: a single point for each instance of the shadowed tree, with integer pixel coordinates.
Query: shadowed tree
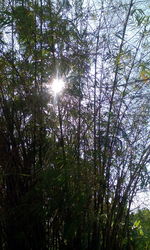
(71, 164)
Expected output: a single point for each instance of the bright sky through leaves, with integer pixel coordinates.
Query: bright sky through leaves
(57, 86)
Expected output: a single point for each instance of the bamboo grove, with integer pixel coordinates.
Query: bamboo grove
(71, 165)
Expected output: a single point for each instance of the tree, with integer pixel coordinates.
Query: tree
(71, 165)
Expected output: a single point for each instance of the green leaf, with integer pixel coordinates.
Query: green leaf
(136, 224)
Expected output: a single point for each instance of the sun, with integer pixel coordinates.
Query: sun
(57, 85)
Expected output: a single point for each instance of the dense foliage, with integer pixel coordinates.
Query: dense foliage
(140, 229)
(70, 165)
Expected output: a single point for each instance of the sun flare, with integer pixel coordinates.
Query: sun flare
(57, 86)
